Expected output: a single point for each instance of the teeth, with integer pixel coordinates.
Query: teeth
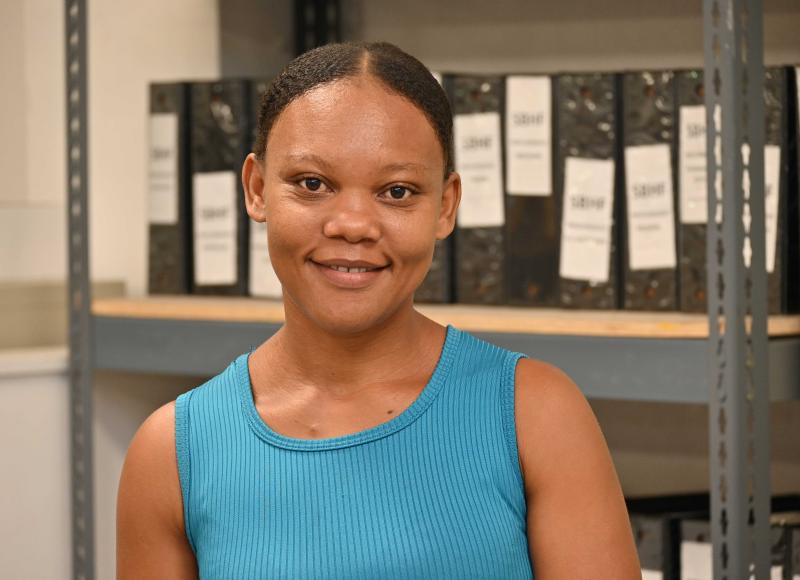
(349, 270)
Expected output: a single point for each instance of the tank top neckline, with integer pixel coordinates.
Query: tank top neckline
(405, 418)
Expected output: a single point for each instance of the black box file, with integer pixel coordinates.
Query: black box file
(781, 195)
(649, 254)
(690, 113)
(587, 184)
(479, 242)
(532, 207)
(656, 526)
(220, 140)
(262, 281)
(169, 210)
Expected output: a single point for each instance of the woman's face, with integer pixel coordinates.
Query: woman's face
(353, 194)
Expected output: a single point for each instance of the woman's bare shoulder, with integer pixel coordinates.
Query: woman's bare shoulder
(150, 530)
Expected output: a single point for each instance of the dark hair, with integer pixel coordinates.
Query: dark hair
(399, 71)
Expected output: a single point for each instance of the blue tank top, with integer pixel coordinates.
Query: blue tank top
(434, 493)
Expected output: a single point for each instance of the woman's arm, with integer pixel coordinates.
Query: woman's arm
(578, 525)
(151, 542)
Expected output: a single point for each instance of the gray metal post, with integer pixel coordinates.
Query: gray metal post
(79, 299)
(739, 394)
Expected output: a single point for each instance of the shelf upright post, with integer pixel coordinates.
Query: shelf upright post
(737, 303)
(79, 299)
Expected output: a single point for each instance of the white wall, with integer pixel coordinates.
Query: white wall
(34, 479)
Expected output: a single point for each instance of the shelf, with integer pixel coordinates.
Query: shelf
(616, 355)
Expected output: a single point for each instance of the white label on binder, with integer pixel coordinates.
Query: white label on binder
(528, 136)
(437, 76)
(692, 165)
(214, 197)
(696, 561)
(650, 212)
(776, 573)
(163, 170)
(587, 219)
(772, 176)
(479, 162)
(652, 574)
(263, 281)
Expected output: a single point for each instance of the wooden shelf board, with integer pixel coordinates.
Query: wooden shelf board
(501, 319)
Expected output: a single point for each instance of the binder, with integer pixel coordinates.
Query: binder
(262, 280)
(220, 140)
(690, 114)
(532, 208)
(781, 200)
(587, 182)
(479, 241)
(649, 252)
(169, 212)
(656, 525)
(696, 558)
(437, 287)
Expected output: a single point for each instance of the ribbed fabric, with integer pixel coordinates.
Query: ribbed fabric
(434, 493)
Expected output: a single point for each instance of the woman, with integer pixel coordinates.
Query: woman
(364, 440)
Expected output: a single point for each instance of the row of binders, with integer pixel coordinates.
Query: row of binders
(579, 191)
(673, 537)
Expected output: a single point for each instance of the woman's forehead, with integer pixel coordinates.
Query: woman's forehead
(355, 115)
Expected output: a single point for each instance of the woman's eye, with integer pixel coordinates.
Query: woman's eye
(399, 192)
(312, 183)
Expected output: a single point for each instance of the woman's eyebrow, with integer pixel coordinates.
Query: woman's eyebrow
(309, 157)
(405, 167)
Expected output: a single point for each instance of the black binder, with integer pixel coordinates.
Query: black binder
(691, 186)
(220, 140)
(587, 121)
(782, 279)
(437, 287)
(779, 153)
(169, 223)
(479, 250)
(533, 220)
(262, 281)
(649, 128)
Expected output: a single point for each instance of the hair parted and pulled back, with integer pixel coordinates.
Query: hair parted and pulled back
(399, 71)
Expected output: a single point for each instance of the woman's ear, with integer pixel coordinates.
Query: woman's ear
(253, 182)
(451, 197)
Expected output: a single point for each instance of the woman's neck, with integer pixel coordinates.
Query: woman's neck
(399, 348)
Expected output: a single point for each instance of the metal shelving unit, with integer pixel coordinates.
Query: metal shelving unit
(737, 361)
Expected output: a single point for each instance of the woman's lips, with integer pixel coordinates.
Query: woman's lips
(356, 277)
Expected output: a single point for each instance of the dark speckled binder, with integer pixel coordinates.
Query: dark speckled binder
(479, 251)
(649, 119)
(220, 140)
(169, 244)
(587, 119)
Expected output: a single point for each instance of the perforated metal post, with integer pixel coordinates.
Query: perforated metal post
(737, 304)
(79, 299)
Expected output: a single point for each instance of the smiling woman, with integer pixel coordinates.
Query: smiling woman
(364, 440)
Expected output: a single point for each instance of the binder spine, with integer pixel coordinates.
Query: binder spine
(792, 239)
(776, 133)
(587, 119)
(649, 119)
(479, 251)
(169, 244)
(220, 140)
(691, 236)
(533, 235)
(437, 286)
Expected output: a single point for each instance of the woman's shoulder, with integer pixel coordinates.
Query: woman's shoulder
(149, 479)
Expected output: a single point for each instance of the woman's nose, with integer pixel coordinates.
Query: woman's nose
(352, 216)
